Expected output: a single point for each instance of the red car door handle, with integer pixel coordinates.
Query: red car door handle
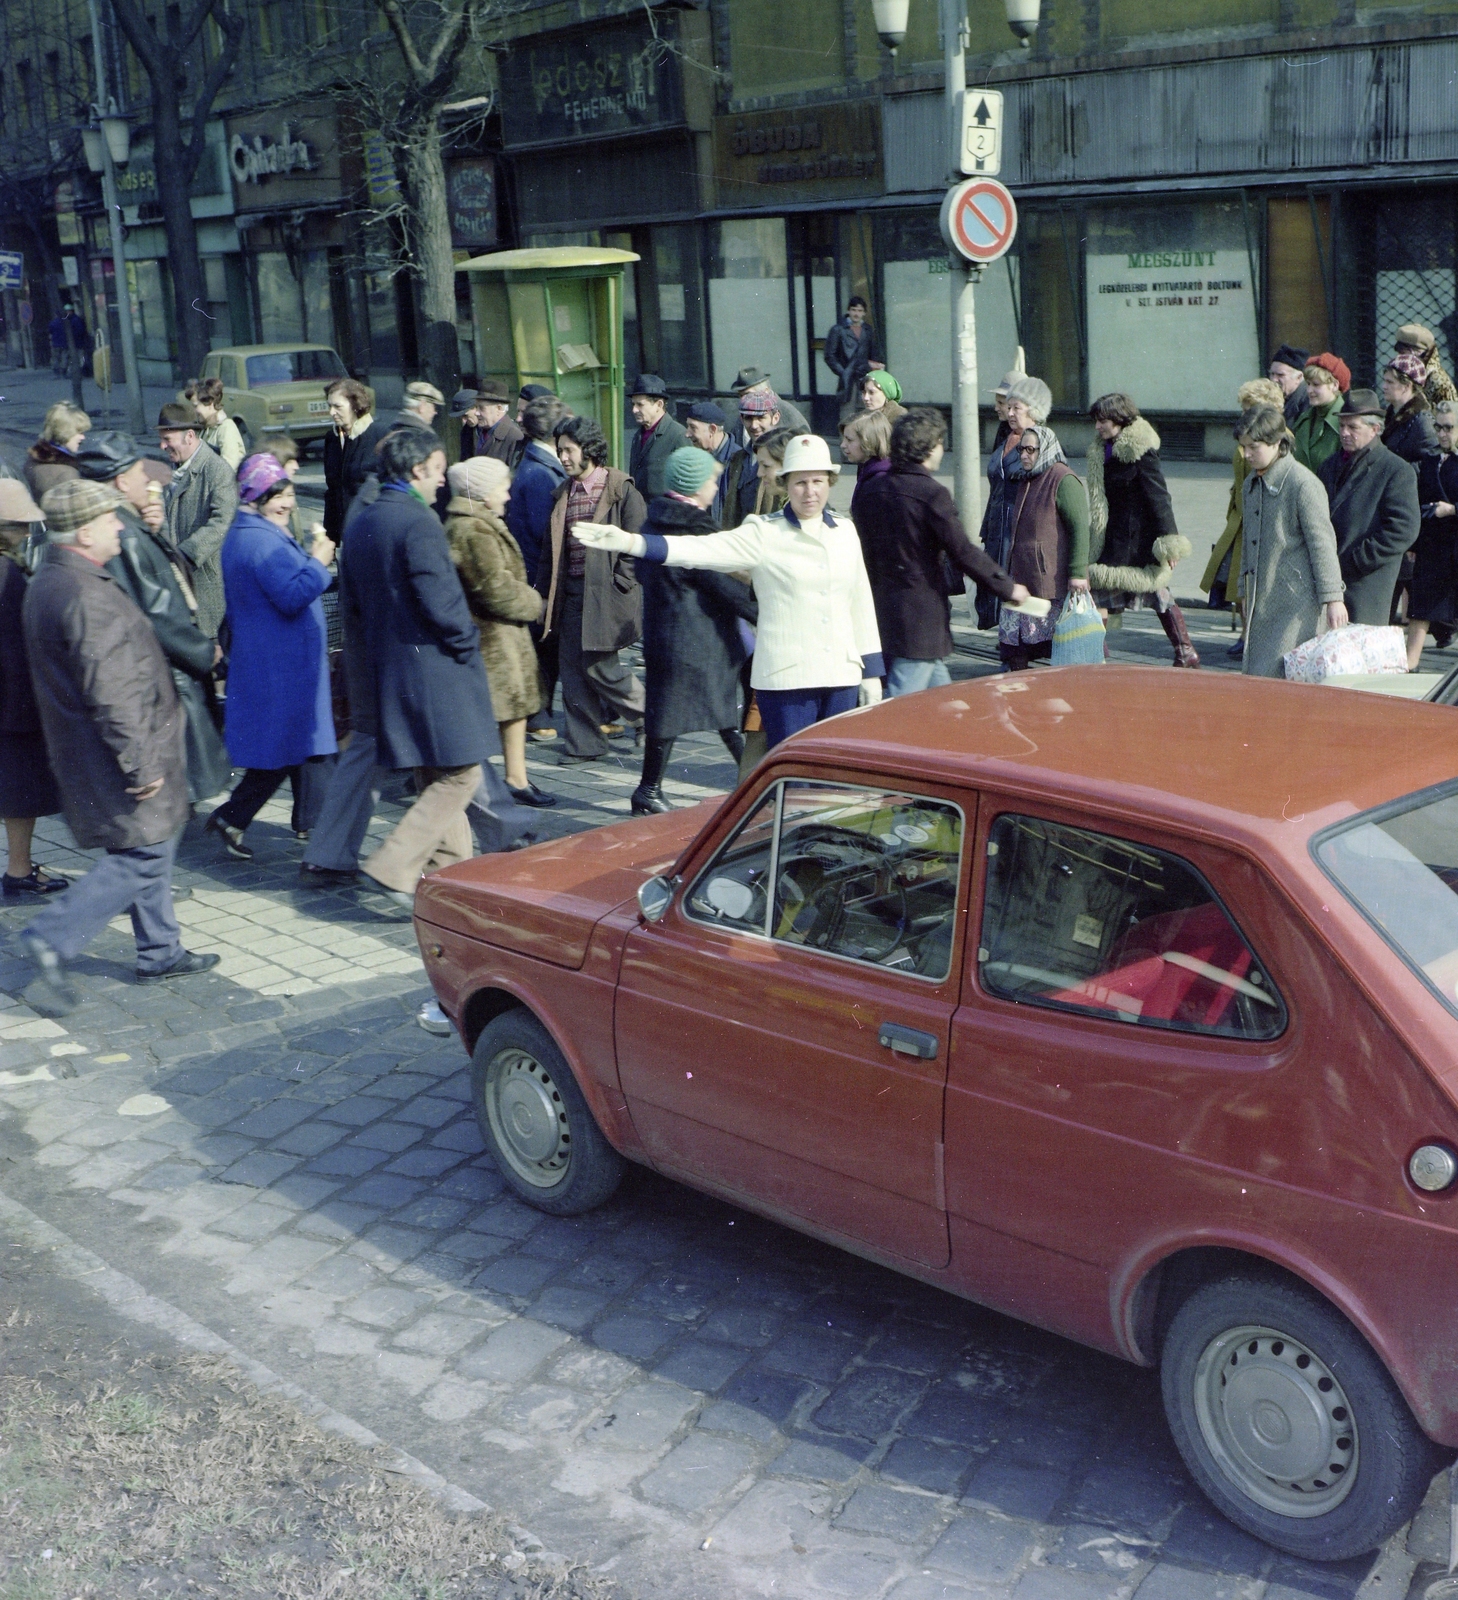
(908, 1041)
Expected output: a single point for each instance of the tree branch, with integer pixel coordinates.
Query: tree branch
(140, 35)
(234, 24)
(395, 16)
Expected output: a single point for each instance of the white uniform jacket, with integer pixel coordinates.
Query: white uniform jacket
(817, 621)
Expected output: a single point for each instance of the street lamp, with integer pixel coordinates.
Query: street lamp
(891, 15)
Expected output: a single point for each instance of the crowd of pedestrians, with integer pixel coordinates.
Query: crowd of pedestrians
(171, 627)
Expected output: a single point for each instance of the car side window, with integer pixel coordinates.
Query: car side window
(867, 874)
(230, 372)
(1087, 922)
(210, 367)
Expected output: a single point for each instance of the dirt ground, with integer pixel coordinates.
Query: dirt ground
(130, 1468)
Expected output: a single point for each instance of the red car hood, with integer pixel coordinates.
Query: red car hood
(545, 901)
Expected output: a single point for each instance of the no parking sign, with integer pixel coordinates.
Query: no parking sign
(979, 220)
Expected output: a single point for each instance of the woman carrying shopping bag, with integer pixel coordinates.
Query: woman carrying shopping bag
(1049, 548)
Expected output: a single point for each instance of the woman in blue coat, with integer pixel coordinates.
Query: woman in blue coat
(278, 711)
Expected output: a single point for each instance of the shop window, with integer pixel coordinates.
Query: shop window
(781, 45)
(147, 288)
(1050, 303)
(1085, 922)
(280, 310)
(679, 289)
(749, 298)
(220, 328)
(1171, 305)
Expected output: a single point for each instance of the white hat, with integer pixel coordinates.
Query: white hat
(808, 452)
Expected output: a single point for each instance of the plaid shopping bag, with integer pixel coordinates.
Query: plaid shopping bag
(1078, 637)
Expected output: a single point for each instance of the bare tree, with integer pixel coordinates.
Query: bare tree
(432, 42)
(176, 69)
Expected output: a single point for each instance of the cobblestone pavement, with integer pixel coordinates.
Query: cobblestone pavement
(686, 1397)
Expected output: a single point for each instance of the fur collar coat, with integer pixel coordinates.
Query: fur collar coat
(1134, 544)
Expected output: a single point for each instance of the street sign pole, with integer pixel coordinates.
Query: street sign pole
(966, 426)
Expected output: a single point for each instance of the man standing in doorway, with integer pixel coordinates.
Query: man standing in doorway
(200, 504)
(114, 729)
(658, 436)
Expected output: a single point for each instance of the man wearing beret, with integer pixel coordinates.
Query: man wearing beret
(658, 436)
(1287, 366)
(1374, 508)
(708, 429)
(114, 729)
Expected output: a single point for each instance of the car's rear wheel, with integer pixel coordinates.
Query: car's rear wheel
(536, 1122)
(1288, 1420)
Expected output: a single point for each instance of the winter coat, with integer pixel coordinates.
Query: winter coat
(413, 655)
(1289, 564)
(1316, 434)
(866, 474)
(612, 602)
(916, 551)
(693, 646)
(503, 442)
(741, 494)
(347, 463)
(1374, 509)
(817, 617)
(1297, 403)
(45, 466)
(26, 780)
(1439, 386)
(149, 574)
(1229, 541)
(227, 441)
(1134, 545)
(648, 458)
(996, 533)
(1435, 573)
(1049, 531)
(849, 357)
(279, 708)
(200, 504)
(107, 704)
(1409, 432)
(494, 578)
(534, 485)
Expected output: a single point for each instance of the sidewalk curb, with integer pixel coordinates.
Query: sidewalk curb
(126, 1296)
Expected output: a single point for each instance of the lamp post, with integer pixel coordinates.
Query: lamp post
(1022, 18)
(108, 146)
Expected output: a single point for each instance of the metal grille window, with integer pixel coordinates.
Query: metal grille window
(1416, 239)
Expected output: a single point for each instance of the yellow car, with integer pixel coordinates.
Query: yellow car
(276, 388)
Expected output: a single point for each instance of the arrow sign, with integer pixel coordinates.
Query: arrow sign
(12, 269)
(981, 150)
(979, 220)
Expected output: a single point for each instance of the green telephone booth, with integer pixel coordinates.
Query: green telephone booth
(555, 316)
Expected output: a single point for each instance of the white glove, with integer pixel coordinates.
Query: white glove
(599, 536)
(870, 694)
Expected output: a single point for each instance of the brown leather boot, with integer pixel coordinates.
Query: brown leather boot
(1172, 620)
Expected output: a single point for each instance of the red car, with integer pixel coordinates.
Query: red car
(1123, 1001)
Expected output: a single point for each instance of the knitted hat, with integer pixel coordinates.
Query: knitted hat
(707, 411)
(885, 383)
(1413, 368)
(758, 403)
(1034, 394)
(478, 477)
(74, 503)
(1335, 366)
(1289, 356)
(257, 475)
(688, 470)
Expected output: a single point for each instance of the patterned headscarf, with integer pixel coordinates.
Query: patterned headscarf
(1049, 452)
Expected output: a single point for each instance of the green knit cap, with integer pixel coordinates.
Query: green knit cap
(688, 470)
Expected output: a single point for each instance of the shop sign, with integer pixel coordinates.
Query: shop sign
(471, 191)
(599, 84)
(68, 227)
(823, 152)
(253, 163)
(12, 269)
(136, 182)
(1174, 327)
(379, 167)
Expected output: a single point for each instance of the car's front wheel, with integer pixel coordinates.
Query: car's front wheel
(1288, 1420)
(536, 1122)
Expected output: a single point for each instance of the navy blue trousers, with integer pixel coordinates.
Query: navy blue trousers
(786, 711)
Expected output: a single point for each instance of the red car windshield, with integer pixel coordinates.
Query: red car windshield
(1400, 866)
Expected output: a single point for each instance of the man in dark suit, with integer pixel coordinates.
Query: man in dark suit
(1374, 508)
(658, 436)
(492, 432)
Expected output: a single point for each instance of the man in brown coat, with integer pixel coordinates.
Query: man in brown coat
(594, 604)
(114, 728)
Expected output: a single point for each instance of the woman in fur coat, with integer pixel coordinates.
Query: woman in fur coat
(493, 574)
(1134, 545)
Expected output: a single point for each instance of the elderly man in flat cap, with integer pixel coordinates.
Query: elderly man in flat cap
(114, 728)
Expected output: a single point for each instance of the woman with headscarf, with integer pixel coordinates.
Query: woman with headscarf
(696, 631)
(1221, 578)
(27, 786)
(493, 575)
(1134, 545)
(1291, 575)
(881, 393)
(1027, 404)
(279, 714)
(1433, 604)
(1408, 430)
(1414, 339)
(1048, 553)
